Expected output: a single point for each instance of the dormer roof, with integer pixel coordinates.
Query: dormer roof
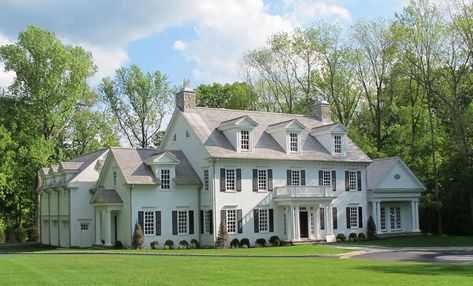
(239, 122)
(166, 158)
(293, 125)
(70, 166)
(53, 169)
(330, 128)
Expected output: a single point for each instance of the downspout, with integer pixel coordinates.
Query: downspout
(214, 202)
(70, 218)
(131, 212)
(58, 219)
(49, 217)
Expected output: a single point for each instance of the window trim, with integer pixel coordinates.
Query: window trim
(186, 222)
(168, 180)
(294, 171)
(206, 179)
(334, 142)
(354, 216)
(234, 220)
(262, 181)
(227, 180)
(354, 181)
(263, 213)
(248, 139)
(207, 223)
(146, 223)
(290, 142)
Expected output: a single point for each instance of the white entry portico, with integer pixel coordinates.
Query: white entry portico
(108, 206)
(393, 196)
(307, 212)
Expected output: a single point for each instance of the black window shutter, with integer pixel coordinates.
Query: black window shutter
(255, 180)
(302, 177)
(271, 220)
(158, 222)
(322, 218)
(140, 220)
(334, 218)
(321, 178)
(347, 181)
(191, 222)
(334, 180)
(270, 179)
(202, 221)
(211, 221)
(348, 217)
(289, 179)
(360, 217)
(239, 221)
(358, 177)
(222, 180)
(238, 180)
(174, 222)
(256, 220)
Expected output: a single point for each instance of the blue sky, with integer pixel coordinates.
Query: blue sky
(203, 41)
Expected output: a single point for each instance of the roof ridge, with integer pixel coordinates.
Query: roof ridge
(255, 111)
(387, 158)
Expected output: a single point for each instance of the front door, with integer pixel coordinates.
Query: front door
(304, 224)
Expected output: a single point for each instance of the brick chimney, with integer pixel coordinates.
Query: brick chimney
(185, 99)
(321, 110)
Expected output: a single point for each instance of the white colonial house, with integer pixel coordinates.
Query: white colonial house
(260, 174)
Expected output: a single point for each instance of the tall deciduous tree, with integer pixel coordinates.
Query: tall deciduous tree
(138, 101)
(236, 95)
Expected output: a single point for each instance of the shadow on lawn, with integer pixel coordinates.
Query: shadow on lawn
(23, 247)
(423, 269)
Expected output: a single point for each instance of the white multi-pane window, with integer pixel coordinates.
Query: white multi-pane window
(293, 142)
(295, 177)
(206, 179)
(395, 218)
(337, 144)
(263, 220)
(207, 221)
(353, 217)
(182, 222)
(231, 221)
(244, 140)
(262, 180)
(165, 179)
(84, 226)
(148, 223)
(383, 218)
(327, 178)
(230, 179)
(352, 180)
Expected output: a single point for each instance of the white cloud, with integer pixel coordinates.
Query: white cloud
(224, 29)
(6, 78)
(179, 45)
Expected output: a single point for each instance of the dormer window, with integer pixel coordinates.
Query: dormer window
(165, 179)
(337, 144)
(244, 140)
(293, 142)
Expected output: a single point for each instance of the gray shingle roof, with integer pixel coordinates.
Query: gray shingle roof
(204, 122)
(106, 196)
(131, 163)
(379, 169)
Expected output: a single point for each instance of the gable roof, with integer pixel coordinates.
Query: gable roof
(77, 165)
(106, 196)
(205, 122)
(380, 168)
(244, 120)
(131, 162)
(328, 128)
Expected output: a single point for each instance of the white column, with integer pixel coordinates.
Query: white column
(329, 220)
(297, 224)
(98, 226)
(413, 216)
(291, 229)
(108, 228)
(378, 216)
(416, 210)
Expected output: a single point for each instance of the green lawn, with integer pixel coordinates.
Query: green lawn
(301, 250)
(419, 241)
(67, 269)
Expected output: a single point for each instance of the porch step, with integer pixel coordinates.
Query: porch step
(304, 241)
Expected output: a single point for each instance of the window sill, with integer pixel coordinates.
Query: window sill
(230, 191)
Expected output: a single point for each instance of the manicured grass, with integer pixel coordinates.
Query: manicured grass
(64, 269)
(419, 241)
(300, 250)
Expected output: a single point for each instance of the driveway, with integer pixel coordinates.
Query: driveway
(433, 255)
